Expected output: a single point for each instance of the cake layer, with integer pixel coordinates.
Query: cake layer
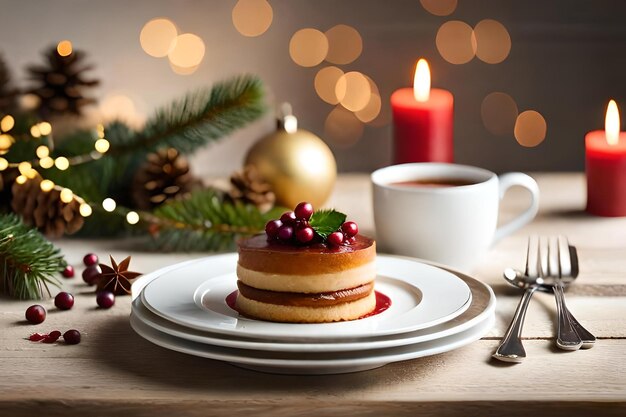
(296, 314)
(324, 299)
(259, 254)
(311, 283)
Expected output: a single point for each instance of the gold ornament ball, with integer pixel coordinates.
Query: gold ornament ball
(298, 165)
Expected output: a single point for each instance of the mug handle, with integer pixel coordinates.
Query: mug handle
(507, 181)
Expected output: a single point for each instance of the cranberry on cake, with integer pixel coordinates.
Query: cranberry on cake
(309, 267)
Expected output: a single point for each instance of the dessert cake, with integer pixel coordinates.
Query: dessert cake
(307, 268)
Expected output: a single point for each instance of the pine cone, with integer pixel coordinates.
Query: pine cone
(8, 94)
(165, 175)
(248, 186)
(60, 84)
(45, 210)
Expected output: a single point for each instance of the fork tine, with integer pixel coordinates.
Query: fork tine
(565, 259)
(532, 258)
(554, 268)
(544, 254)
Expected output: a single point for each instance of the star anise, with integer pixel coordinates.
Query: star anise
(116, 278)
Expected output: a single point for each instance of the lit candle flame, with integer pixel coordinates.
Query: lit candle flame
(611, 123)
(421, 82)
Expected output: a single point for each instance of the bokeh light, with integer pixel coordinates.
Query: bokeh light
(46, 162)
(102, 145)
(66, 195)
(29, 101)
(120, 107)
(4, 164)
(42, 151)
(45, 128)
(493, 42)
(344, 44)
(308, 47)
(6, 141)
(342, 127)
(439, 7)
(188, 51)
(353, 91)
(7, 123)
(371, 110)
(499, 113)
(455, 42)
(108, 204)
(530, 128)
(85, 210)
(158, 37)
(46, 186)
(64, 48)
(325, 83)
(252, 17)
(132, 217)
(62, 163)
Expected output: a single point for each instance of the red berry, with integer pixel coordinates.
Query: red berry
(72, 337)
(288, 218)
(305, 235)
(36, 314)
(36, 337)
(68, 271)
(52, 337)
(91, 274)
(90, 259)
(105, 299)
(350, 229)
(271, 228)
(285, 233)
(304, 210)
(64, 300)
(335, 238)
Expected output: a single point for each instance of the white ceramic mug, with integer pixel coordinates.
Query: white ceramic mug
(453, 225)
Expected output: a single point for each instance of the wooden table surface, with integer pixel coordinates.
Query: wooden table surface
(114, 371)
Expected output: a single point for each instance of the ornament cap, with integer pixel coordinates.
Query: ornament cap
(285, 119)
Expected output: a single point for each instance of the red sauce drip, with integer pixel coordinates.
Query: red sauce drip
(382, 303)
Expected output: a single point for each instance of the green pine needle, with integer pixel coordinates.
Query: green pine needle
(201, 116)
(29, 263)
(204, 221)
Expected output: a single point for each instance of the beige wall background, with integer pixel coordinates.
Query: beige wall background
(568, 58)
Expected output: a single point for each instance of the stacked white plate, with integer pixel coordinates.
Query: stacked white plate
(433, 310)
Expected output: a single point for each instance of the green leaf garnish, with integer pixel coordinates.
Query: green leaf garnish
(324, 222)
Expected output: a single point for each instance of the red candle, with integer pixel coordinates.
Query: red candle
(422, 121)
(606, 167)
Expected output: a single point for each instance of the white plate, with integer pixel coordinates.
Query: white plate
(481, 309)
(313, 363)
(193, 295)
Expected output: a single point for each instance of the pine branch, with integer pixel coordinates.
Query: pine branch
(29, 263)
(204, 221)
(200, 117)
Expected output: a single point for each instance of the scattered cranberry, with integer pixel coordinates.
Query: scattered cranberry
(288, 218)
(335, 238)
(36, 314)
(91, 273)
(64, 300)
(36, 337)
(285, 233)
(105, 299)
(305, 235)
(71, 337)
(90, 259)
(271, 228)
(350, 229)
(52, 337)
(304, 211)
(68, 272)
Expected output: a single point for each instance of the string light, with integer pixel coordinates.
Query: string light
(24, 167)
(100, 130)
(35, 132)
(4, 164)
(64, 48)
(31, 174)
(6, 141)
(46, 186)
(132, 217)
(7, 123)
(108, 204)
(62, 163)
(66, 195)
(45, 128)
(21, 179)
(42, 151)
(85, 210)
(46, 162)
(102, 145)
